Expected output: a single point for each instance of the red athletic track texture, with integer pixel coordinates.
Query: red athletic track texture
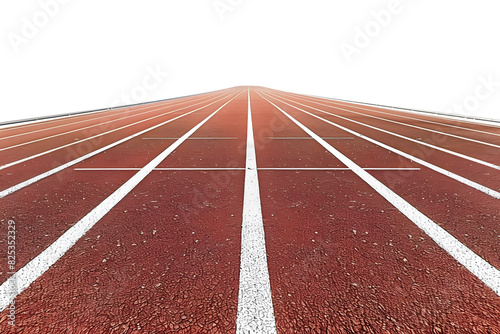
(166, 258)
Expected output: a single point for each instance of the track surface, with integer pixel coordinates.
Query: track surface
(153, 219)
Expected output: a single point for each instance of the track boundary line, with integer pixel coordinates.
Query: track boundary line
(479, 267)
(23, 278)
(438, 169)
(255, 306)
(41, 176)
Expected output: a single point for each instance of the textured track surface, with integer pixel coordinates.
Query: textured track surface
(165, 257)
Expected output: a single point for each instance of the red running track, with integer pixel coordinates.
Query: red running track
(145, 226)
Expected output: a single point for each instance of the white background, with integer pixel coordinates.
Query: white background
(82, 55)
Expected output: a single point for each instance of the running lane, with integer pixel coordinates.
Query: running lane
(196, 225)
(26, 142)
(166, 258)
(46, 209)
(344, 260)
(27, 161)
(471, 159)
(471, 216)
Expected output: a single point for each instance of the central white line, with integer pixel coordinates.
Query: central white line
(23, 278)
(479, 267)
(255, 305)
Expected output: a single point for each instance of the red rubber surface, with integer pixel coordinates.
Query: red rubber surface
(165, 259)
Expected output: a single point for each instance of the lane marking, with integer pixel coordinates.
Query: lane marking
(90, 126)
(475, 185)
(479, 267)
(92, 137)
(342, 138)
(255, 306)
(195, 138)
(217, 168)
(396, 122)
(91, 154)
(460, 155)
(157, 169)
(23, 278)
(339, 169)
(292, 138)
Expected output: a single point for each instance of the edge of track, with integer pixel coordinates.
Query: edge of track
(7, 124)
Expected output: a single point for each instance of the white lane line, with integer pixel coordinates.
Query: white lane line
(91, 154)
(396, 122)
(92, 137)
(475, 185)
(90, 126)
(222, 169)
(293, 138)
(194, 138)
(479, 267)
(255, 305)
(334, 169)
(460, 155)
(22, 279)
(341, 138)
(157, 169)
